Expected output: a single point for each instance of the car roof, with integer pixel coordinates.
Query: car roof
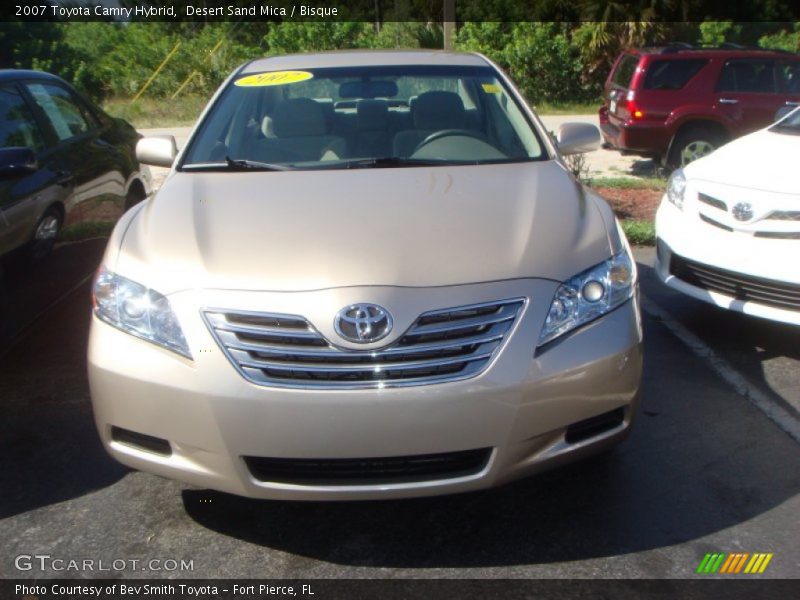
(696, 52)
(365, 58)
(12, 74)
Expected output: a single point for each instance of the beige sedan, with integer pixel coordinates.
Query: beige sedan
(367, 275)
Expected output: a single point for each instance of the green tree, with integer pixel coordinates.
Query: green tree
(787, 38)
(305, 36)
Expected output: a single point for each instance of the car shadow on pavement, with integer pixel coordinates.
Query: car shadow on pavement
(699, 460)
(26, 289)
(49, 448)
(766, 353)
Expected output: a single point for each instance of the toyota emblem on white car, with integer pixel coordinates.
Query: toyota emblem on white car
(363, 323)
(742, 211)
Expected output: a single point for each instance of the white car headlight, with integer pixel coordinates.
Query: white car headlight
(590, 295)
(676, 188)
(137, 310)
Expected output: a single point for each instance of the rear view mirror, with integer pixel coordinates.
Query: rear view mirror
(577, 138)
(368, 89)
(17, 161)
(157, 150)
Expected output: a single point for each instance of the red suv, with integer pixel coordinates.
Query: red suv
(677, 103)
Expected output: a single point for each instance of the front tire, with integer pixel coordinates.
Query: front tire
(134, 196)
(44, 235)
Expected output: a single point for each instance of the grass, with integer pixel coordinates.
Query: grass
(157, 112)
(567, 108)
(85, 231)
(640, 233)
(633, 183)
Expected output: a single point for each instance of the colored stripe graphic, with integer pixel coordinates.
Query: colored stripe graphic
(726, 567)
(704, 563)
(730, 564)
(741, 562)
(764, 564)
(720, 562)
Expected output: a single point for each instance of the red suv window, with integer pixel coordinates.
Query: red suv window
(789, 74)
(747, 75)
(625, 70)
(671, 74)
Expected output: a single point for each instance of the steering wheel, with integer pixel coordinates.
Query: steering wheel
(437, 135)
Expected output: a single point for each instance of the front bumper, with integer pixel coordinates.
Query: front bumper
(738, 258)
(519, 409)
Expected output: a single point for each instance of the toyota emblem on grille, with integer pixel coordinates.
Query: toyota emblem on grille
(363, 323)
(742, 211)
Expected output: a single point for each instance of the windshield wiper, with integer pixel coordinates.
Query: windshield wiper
(237, 164)
(392, 161)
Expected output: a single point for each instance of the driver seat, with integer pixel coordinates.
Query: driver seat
(431, 112)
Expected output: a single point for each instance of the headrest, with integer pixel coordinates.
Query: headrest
(438, 110)
(372, 115)
(267, 128)
(298, 117)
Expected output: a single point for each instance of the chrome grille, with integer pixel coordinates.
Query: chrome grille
(286, 351)
(705, 198)
(784, 215)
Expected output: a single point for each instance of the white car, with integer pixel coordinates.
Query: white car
(728, 228)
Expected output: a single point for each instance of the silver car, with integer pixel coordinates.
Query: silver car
(367, 275)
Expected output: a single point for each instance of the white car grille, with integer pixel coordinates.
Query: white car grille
(776, 224)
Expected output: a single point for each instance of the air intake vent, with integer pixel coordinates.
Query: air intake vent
(368, 471)
(594, 426)
(742, 287)
(286, 351)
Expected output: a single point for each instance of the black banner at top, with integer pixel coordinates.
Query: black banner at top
(399, 10)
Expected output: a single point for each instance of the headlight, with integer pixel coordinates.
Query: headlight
(590, 295)
(137, 310)
(676, 188)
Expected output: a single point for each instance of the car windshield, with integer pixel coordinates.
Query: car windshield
(790, 125)
(363, 117)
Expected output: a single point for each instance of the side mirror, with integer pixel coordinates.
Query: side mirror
(782, 112)
(158, 150)
(577, 138)
(17, 161)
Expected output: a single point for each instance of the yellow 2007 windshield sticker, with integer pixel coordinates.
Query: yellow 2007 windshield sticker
(491, 88)
(273, 78)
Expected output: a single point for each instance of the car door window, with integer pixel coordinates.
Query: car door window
(747, 76)
(671, 74)
(64, 113)
(18, 126)
(789, 74)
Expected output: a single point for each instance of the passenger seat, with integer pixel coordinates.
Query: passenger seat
(300, 135)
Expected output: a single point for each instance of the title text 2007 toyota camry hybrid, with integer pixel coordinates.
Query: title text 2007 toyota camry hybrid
(367, 275)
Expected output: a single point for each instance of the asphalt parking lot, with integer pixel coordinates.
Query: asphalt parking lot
(711, 466)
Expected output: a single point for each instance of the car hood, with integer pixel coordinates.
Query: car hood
(307, 230)
(763, 160)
